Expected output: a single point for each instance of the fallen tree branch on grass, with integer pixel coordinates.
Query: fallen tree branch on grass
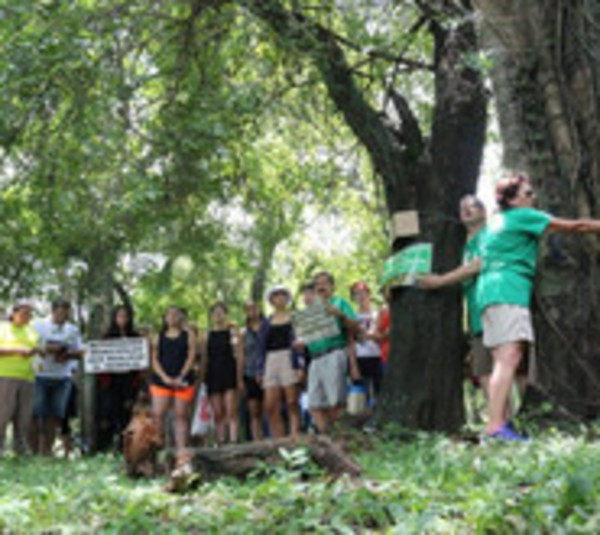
(240, 460)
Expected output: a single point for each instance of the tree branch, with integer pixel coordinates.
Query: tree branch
(323, 47)
(124, 296)
(381, 53)
(410, 129)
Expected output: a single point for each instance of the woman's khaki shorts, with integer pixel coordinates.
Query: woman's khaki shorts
(279, 372)
(503, 324)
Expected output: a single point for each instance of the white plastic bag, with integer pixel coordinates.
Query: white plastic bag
(202, 422)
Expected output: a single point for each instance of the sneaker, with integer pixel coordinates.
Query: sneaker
(506, 432)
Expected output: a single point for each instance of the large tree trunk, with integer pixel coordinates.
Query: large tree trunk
(423, 387)
(547, 84)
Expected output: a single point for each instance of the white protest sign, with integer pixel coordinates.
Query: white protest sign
(314, 323)
(116, 355)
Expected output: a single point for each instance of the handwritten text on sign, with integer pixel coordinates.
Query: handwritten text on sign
(314, 323)
(116, 355)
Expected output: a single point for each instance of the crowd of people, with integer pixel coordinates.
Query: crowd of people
(265, 363)
(262, 363)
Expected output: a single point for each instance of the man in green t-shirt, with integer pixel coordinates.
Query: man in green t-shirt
(330, 357)
(18, 345)
(473, 217)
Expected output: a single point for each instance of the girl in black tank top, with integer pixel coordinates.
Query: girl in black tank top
(172, 386)
(172, 356)
(222, 373)
(279, 337)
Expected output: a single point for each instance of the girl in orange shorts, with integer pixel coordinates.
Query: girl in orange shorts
(172, 385)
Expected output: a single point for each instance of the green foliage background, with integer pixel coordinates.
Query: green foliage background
(192, 135)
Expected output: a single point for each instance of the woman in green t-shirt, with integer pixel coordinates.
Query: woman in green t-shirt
(506, 271)
(505, 285)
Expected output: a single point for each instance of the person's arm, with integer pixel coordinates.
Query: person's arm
(298, 357)
(434, 281)
(156, 367)
(574, 226)
(22, 352)
(203, 356)
(240, 358)
(197, 368)
(191, 357)
(379, 335)
(352, 360)
(75, 354)
(76, 351)
(351, 325)
(262, 350)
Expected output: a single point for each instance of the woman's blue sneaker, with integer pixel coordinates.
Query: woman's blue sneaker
(506, 432)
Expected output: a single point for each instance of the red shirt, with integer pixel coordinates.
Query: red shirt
(383, 325)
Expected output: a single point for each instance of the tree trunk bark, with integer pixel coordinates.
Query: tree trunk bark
(239, 460)
(259, 280)
(100, 285)
(427, 346)
(424, 381)
(546, 79)
(125, 299)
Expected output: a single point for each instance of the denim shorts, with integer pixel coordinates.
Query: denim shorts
(51, 396)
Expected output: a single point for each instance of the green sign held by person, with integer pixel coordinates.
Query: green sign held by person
(401, 269)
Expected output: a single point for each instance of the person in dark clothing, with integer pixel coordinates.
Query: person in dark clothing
(248, 368)
(172, 383)
(117, 392)
(221, 372)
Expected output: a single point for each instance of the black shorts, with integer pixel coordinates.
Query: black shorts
(253, 389)
(221, 376)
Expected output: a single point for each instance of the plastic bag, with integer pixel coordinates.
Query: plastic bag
(203, 421)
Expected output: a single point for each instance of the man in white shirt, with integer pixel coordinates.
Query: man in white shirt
(62, 345)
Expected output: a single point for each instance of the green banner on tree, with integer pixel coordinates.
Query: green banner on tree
(401, 269)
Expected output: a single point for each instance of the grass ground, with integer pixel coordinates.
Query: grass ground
(429, 485)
